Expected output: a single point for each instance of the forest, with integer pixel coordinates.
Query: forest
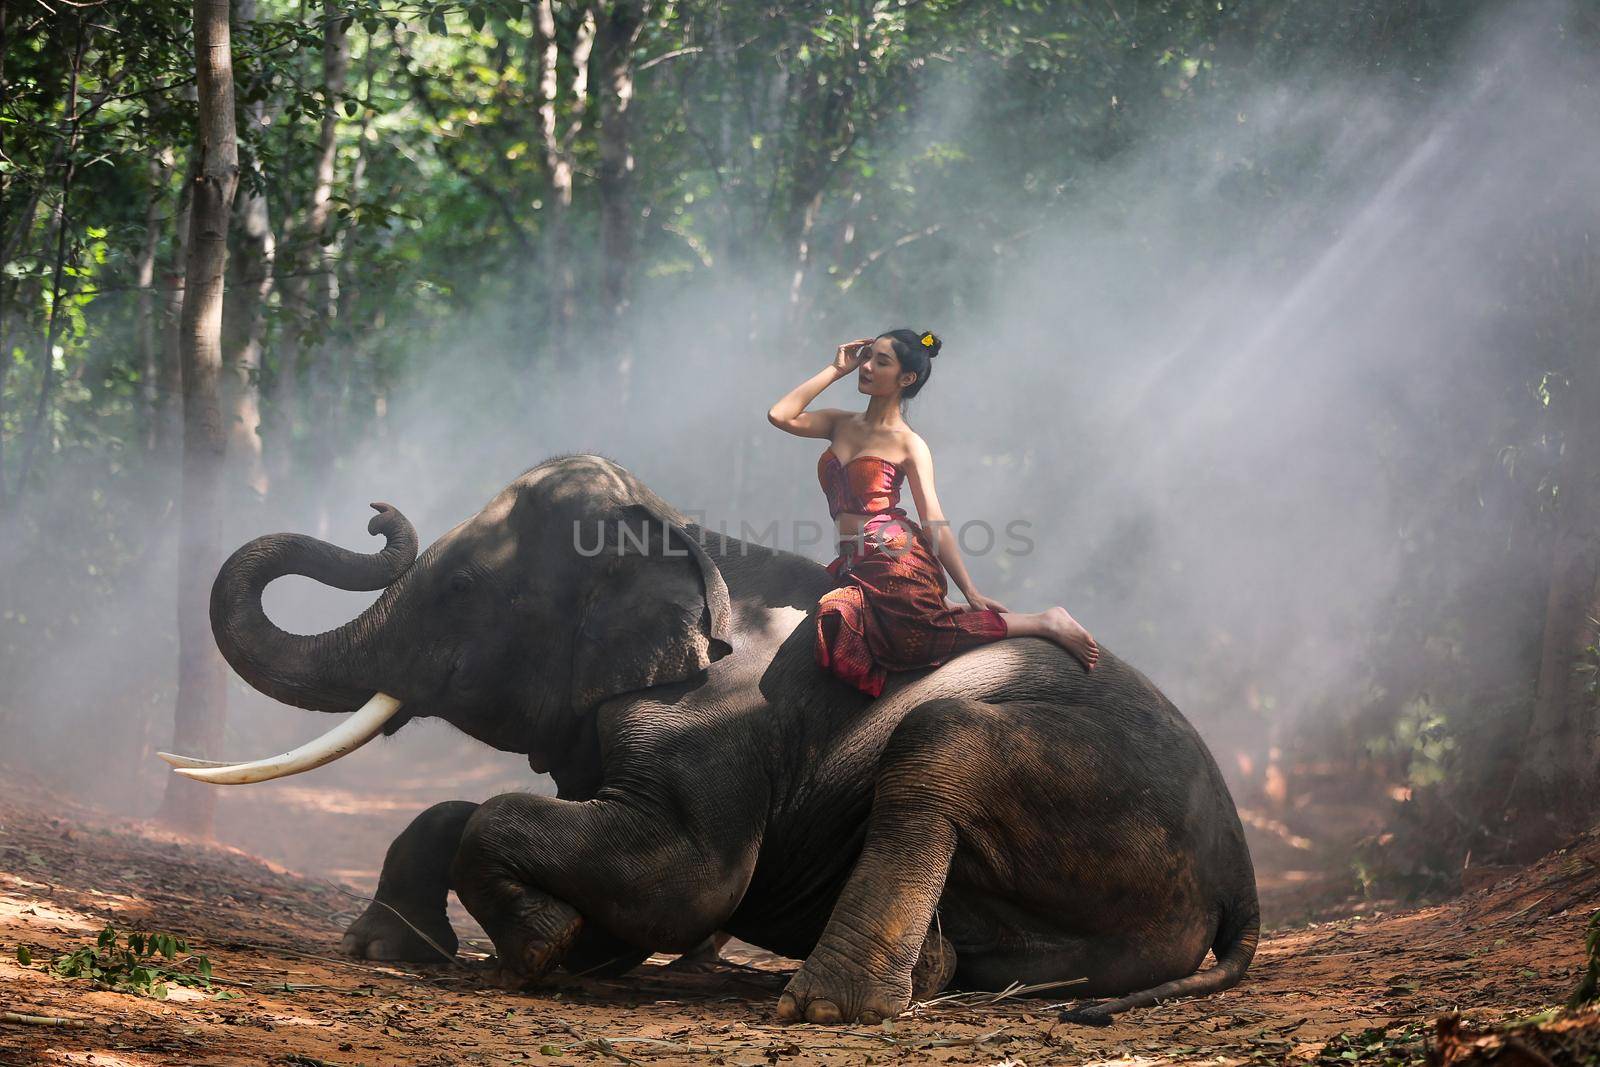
(1275, 322)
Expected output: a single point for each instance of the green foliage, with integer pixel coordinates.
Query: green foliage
(438, 114)
(1420, 741)
(144, 964)
(1455, 763)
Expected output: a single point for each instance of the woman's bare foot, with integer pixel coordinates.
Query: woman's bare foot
(1067, 632)
(1054, 624)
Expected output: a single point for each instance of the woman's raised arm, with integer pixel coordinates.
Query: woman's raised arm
(790, 413)
(919, 475)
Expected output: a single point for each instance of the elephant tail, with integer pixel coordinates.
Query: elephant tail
(1235, 947)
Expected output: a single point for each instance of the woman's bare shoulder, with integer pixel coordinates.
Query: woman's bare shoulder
(844, 421)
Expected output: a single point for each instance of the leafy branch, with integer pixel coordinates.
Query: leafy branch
(144, 964)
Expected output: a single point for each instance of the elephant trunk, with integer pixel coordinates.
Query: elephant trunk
(323, 672)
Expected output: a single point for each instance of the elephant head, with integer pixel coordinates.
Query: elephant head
(576, 583)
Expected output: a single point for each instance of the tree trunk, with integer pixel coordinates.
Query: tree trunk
(357, 373)
(827, 130)
(322, 374)
(245, 329)
(169, 375)
(798, 310)
(1556, 791)
(245, 316)
(280, 388)
(322, 369)
(47, 355)
(557, 198)
(202, 674)
(617, 27)
(148, 318)
(309, 291)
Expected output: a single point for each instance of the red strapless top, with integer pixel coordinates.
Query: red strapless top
(866, 485)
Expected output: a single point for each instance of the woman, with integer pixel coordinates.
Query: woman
(889, 611)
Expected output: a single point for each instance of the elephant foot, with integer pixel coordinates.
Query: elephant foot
(828, 989)
(380, 934)
(536, 933)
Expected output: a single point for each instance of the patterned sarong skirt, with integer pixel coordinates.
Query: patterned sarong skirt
(888, 612)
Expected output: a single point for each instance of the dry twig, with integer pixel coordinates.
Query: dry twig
(982, 999)
(41, 1020)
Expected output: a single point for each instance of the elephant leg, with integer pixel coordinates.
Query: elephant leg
(598, 954)
(412, 892)
(703, 958)
(880, 946)
(548, 877)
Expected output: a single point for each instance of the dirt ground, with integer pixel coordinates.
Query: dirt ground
(1355, 989)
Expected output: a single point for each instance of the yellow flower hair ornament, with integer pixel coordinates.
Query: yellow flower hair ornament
(928, 339)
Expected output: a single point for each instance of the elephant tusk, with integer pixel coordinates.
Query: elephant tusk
(189, 761)
(343, 739)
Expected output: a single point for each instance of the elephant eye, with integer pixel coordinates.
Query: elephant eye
(460, 583)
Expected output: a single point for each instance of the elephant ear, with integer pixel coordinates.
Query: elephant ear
(657, 612)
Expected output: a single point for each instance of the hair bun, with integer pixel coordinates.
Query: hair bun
(931, 342)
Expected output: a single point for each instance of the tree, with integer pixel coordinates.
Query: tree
(250, 266)
(618, 25)
(544, 54)
(202, 675)
(1556, 792)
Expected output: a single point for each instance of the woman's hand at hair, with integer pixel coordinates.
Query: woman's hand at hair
(850, 355)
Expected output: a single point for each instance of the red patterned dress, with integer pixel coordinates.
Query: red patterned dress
(888, 612)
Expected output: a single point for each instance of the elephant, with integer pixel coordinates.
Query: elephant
(1002, 817)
